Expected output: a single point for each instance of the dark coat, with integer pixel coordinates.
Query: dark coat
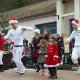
(35, 42)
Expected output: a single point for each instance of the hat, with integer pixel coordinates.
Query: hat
(37, 30)
(13, 20)
(76, 22)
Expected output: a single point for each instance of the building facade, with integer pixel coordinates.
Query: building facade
(67, 10)
(56, 15)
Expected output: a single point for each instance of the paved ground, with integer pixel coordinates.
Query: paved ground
(32, 75)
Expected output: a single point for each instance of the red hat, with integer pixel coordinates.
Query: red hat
(76, 22)
(13, 20)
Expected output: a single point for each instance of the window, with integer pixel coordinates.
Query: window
(52, 26)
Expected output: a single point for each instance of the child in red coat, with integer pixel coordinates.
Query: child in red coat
(52, 57)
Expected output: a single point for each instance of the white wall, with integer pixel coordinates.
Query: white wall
(67, 24)
(31, 23)
(69, 6)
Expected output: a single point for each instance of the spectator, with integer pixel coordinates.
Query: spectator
(36, 45)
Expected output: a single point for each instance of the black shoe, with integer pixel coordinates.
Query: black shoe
(1, 68)
(22, 73)
(38, 70)
(53, 77)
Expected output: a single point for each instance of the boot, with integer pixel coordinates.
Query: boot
(38, 68)
(54, 74)
(1, 68)
(53, 77)
(50, 72)
(45, 72)
(41, 72)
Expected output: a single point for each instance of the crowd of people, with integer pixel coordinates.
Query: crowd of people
(45, 50)
(37, 53)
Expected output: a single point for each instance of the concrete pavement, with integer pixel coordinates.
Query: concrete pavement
(33, 75)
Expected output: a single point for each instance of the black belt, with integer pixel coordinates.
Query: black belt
(18, 46)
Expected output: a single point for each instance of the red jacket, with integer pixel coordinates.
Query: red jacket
(52, 57)
(2, 41)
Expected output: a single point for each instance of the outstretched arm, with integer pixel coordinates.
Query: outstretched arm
(27, 28)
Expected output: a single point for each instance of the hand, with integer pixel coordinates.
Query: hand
(56, 57)
(23, 29)
(39, 44)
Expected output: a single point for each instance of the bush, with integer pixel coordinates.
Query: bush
(65, 66)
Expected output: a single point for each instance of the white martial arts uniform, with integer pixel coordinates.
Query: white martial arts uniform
(76, 49)
(17, 35)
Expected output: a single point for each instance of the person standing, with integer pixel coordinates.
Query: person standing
(16, 32)
(71, 46)
(76, 50)
(2, 41)
(41, 58)
(52, 57)
(46, 34)
(36, 45)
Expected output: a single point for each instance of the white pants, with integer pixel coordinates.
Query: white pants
(17, 55)
(1, 57)
(75, 54)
